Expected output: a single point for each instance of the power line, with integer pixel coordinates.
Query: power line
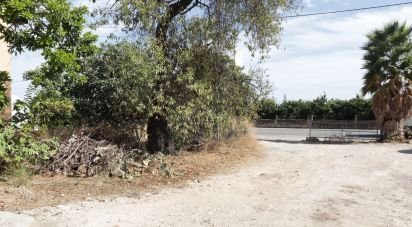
(347, 10)
(315, 14)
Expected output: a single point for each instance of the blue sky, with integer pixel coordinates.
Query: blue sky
(318, 54)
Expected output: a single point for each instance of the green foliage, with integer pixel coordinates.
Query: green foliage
(19, 147)
(179, 69)
(52, 26)
(267, 109)
(388, 56)
(320, 108)
(218, 24)
(209, 94)
(348, 109)
(294, 110)
(119, 87)
(202, 97)
(196, 89)
(57, 30)
(4, 100)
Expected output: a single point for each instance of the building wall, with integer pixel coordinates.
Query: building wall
(5, 65)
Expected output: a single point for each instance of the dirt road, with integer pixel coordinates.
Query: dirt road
(296, 184)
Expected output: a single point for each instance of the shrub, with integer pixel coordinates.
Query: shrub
(20, 146)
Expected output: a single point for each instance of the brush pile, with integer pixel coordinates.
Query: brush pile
(85, 157)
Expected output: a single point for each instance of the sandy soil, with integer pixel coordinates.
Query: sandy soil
(28, 192)
(295, 185)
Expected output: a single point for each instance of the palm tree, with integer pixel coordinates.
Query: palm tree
(388, 61)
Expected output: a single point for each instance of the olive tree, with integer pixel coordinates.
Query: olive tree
(179, 28)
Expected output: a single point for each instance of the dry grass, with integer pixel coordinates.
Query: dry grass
(185, 167)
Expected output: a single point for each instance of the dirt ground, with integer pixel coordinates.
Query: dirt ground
(295, 184)
(22, 193)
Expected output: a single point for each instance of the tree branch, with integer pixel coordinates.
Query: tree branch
(171, 12)
(207, 7)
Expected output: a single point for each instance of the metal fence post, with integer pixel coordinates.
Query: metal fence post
(356, 121)
(310, 120)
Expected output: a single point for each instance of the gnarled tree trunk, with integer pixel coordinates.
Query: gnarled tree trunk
(159, 138)
(158, 135)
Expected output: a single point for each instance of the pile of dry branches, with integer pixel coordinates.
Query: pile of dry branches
(82, 156)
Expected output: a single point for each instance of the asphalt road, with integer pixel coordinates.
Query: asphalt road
(287, 134)
(299, 134)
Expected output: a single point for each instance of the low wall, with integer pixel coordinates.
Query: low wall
(282, 123)
(333, 124)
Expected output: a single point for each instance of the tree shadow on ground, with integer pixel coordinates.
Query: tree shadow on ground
(405, 151)
(286, 141)
(311, 142)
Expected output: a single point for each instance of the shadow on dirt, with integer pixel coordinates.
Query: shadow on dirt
(405, 151)
(286, 141)
(325, 142)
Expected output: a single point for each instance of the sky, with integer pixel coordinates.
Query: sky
(317, 55)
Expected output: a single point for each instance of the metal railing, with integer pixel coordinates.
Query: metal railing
(340, 130)
(344, 130)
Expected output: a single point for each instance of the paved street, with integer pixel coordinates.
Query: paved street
(299, 134)
(286, 134)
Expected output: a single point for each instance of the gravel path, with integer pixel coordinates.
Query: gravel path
(296, 184)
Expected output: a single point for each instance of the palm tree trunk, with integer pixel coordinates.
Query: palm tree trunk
(392, 129)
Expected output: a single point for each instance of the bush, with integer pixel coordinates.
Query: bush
(19, 147)
(200, 99)
(267, 109)
(4, 101)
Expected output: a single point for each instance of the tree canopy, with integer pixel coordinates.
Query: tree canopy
(213, 23)
(56, 29)
(192, 40)
(320, 108)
